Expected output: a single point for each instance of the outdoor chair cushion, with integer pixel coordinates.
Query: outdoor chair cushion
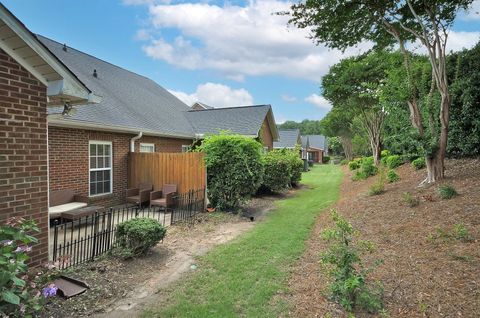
(159, 202)
(65, 207)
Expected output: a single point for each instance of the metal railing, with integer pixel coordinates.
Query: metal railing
(82, 240)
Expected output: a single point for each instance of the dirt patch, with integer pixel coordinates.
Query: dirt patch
(120, 288)
(427, 271)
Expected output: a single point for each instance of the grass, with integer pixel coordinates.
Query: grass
(242, 278)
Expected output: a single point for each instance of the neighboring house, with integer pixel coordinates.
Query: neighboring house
(31, 79)
(316, 146)
(88, 149)
(288, 138)
(200, 106)
(252, 121)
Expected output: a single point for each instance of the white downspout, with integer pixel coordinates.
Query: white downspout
(132, 141)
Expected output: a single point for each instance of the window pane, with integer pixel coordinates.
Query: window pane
(93, 188)
(93, 176)
(106, 175)
(106, 150)
(93, 150)
(107, 162)
(100, 150)
(106, 186)
(93, 163)
(99, 162)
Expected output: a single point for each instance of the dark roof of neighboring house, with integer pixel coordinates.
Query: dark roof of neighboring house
(288, 138)
(304, 141)
(243, 120)
(129, 100)
(317, 141)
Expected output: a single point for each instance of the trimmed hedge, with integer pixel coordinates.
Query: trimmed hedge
(394, 161)
(235, 169)
(137, 236)
(283, 168)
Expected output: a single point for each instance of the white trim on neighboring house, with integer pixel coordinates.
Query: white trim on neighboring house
(186, 148)
(100, 142)
(146, 146)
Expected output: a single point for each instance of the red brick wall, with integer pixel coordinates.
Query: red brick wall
(68, 160)
(23, 150)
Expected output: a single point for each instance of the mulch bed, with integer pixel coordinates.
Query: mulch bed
(424, 274)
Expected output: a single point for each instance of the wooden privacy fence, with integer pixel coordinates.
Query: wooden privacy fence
(187, 170)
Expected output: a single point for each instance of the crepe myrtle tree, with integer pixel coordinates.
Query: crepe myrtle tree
(344, 23)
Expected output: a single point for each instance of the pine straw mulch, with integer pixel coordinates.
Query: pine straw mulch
(424, 274)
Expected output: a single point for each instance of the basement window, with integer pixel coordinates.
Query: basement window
(147, 147)
(100, 174)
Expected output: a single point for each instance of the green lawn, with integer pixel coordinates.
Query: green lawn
(240, 279)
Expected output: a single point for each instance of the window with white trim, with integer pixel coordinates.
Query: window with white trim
(186, 148)
(100, 172)
(147, 147)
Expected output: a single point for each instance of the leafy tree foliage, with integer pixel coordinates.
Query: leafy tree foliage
(306, 126)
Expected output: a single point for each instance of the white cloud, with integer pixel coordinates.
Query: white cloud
(319, 101)
(216, 95)
(288, 98)
(238, 41)
(456, 41)
(473, 13)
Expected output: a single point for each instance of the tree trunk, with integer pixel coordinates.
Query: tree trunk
(376, 150)
(347, 147)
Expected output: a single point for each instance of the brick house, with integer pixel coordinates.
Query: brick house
(31, 79)
(89, 147)
(316, 147)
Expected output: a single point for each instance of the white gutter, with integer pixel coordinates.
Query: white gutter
(132, 141)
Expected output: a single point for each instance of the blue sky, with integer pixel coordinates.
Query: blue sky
(221, 53)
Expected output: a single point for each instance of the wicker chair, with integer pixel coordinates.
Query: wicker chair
(164, 198)
(139, 195)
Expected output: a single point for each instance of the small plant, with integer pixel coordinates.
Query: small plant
(384, 153)
(19, 293)
(418, 163)
(369, 168)
(325, 159)
(411, 200)
(137, 236)
(379, 186)
(461, 233)
(359, 175)
(353, 165)
(342, 259)
(344, 162)
(447, 191)
(392, 176)
(393, 161)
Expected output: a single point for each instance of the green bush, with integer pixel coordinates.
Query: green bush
(137, 236)
(353, 165)
(384, 153)
(296, 165)
(392, 176)
(418, 163)
(379, 186)
(325, 159)
(19, 297)
(359, 175)
(394, 161)
(234, 169)
(278, 171)
(343, 263)
(368, 168)
(344, 162)
(447, 191)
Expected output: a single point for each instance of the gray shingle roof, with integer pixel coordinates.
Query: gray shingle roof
(317, 141)
(244, 120)
(288, 138)
(304, 141)
(129, 100)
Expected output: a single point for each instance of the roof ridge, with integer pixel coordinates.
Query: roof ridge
(230, 107)
(93, 56)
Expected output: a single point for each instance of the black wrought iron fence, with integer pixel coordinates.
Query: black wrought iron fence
(82, 240)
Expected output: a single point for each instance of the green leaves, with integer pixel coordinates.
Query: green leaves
(10, 297)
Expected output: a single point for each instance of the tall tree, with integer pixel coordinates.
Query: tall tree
(344, 23)
(338, 123)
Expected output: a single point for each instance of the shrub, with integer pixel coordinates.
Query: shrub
(447, 191)
(394, 161)
(344, 162)
(369, 169)
(412, 201)
(384, 153)
(392, 176)
(353, 165)
(343, 262)
(461, 233)
(325, 159)
(278, 171)
(19, 297)
(234, 169)
(379, 186)
(296, 165)
(418, 163)
(359, 175)
(137, 236)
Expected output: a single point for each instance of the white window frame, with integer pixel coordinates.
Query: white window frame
(144, 144)
(100, 142)
(186, 148)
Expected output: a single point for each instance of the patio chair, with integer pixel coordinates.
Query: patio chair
(164, 198)
(139, 195)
